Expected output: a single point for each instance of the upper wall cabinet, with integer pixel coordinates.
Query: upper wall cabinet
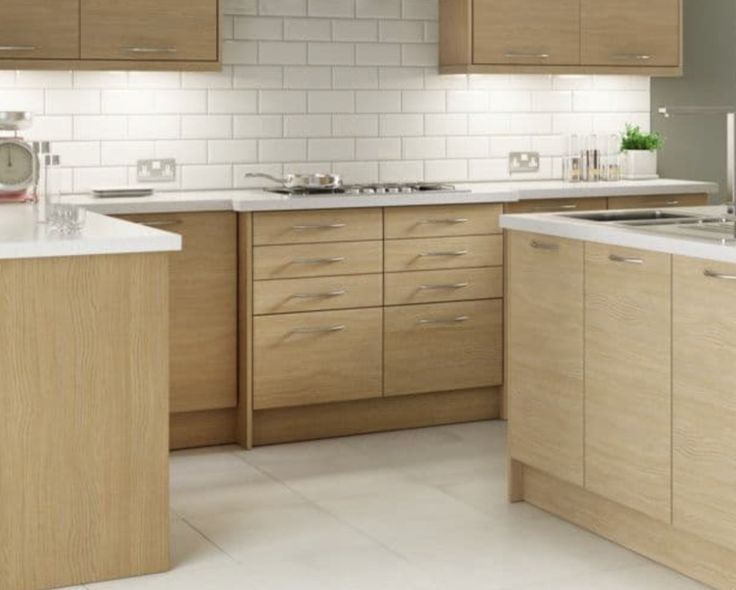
(102, 34)
(561, 36)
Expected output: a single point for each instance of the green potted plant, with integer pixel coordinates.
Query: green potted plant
(640, 153)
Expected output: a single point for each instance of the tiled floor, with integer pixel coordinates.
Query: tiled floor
(412, 510)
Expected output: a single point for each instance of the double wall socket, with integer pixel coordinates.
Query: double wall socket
(163, 170)
(523, 162)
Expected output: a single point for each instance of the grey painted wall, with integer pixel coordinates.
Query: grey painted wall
(696, 145)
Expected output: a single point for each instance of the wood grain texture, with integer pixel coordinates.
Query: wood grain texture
(303, 227)
(204, 309)
(456, 31)
(545, 354)
(350, 258)
(112, 65)
(501, 27)
(190, 430)
(319, 294)
(658, 201)
(421, 358)
(83, 419)
(660, 72)
(704, 404)
(680, 550)
(191, 27)
(556, 205)
(244, 424)
(435, 286)
(441, 221)
(374, 415)
(50, 28)
(439, 253)
(296, 369)
(611, 30)
(628, 394)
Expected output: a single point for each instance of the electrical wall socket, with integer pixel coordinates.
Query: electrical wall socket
(162, 170)
(523, 162)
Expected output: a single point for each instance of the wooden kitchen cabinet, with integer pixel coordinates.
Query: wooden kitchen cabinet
(628, 394)
(658, 201)
(545, 354)
(39, 29)
(637, 33)
(704, 404)
(204, 309)
(556, 205)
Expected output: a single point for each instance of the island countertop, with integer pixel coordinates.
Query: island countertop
(22, 237)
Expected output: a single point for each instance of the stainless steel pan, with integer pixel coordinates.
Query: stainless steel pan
(303, 181)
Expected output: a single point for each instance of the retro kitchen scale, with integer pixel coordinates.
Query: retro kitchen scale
(19, 161)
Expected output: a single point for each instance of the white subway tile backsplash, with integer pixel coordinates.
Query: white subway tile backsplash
(308, 77)
(331, 54)
(237, 151)
(282, 53)
(254, 28)
(154, 79)
(423, 101)
(87, 127)
(443, 170)
(124, 153)
(233, 101)
(401, 78)
(401, 31)
(41, 79)
(283, 7)
(307, 29)
(185, 151)
(421, 9)
(222, 79)
(424, 148)
(79, 153)
(336, 8)
(331, 101)
(240, 6)
(383, 148)
(258, 126)
(402, 125)
(86, 179)
(331, 150)
(378, 54)
(239, 52)
(115, 102)
(449, 124)
(282, 150)
(100, 79)
(467, 147)
(426, 54)
(181, 101)
(66, 102)
(307, 126)
(378, 101)
(502, 145)
(282, 101)
(356, 77)
(467, 101)
(54, 128)
(206, 126)
(401, 171)
(206, 177)
(355, 125)
(378, 8)
(258, 77)
(355, 30)
(153, 127)
(552, 101)
(357, 172)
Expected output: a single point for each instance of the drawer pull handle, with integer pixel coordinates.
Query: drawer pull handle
(455, 221)
(149, 49)
(717, 275)
(327, 260)
(544, 246)
(162, 223)
(672, 203)
(443, 321)
(625, 260)
(317, 226)
(632, 56)
(441, 254)
(443, 287)
(549, 209)
(335, 293)
(320, 330)
(518, 55)
(18, 48)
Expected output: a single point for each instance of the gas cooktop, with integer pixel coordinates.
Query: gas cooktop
(404, 188)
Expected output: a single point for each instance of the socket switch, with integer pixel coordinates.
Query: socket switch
(161, 170)
(523, 162)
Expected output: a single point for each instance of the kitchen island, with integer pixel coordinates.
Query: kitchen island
(83, 401)
(620, 336)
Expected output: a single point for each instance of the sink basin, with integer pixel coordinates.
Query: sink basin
(719, 229)
(635, 216)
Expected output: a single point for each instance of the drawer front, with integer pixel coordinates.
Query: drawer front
(303, 227)
(443, 220)
(557, 205)
(443, 285)
(294, 295)
(317, 260)
(657, 201)
(443, 347)
(443, 253)
(312, 358)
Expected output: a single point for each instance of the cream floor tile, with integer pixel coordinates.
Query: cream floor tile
(232, 577)
(190, 549)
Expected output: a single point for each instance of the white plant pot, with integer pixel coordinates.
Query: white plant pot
(640, 165)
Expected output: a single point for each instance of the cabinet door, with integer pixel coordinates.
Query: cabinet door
(204, 317)
(443, 347)
(163, 30)
(312, 358)
(628, 394)
(557, 205)
(518, 32)
(39, 29)
(631, 33)
(545, 353)
(657, 201)
(704, 404)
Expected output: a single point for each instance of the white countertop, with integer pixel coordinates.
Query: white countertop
(490, 192)
(22, 237)
(564, 226)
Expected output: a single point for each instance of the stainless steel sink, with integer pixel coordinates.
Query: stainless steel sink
(635, 216)
(721, 229)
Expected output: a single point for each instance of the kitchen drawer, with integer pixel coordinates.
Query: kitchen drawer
(443, 220)
(331, 225)
(313, 358)
(315, 260)
(443, 253)
(443, 285)
(293, 295)
(443, 347)
(557, 205)
(657, 201)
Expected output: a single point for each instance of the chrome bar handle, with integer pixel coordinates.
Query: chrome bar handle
(633, 56)
(537, 245)
(440, 254)
(444, 221)
(443, 287)
(711, 274)
(18, 48)
(316, 226)
(149, 49)
(162, 223)
(673, 203)
(326, 260)
(335, 293)
(542, 208)
(443, 321)
(624, 259)
(518, 55)
(320, 330)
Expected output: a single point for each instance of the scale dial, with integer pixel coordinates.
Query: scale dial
(17, 166)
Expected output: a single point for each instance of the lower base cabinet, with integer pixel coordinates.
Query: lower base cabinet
(442, 347)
